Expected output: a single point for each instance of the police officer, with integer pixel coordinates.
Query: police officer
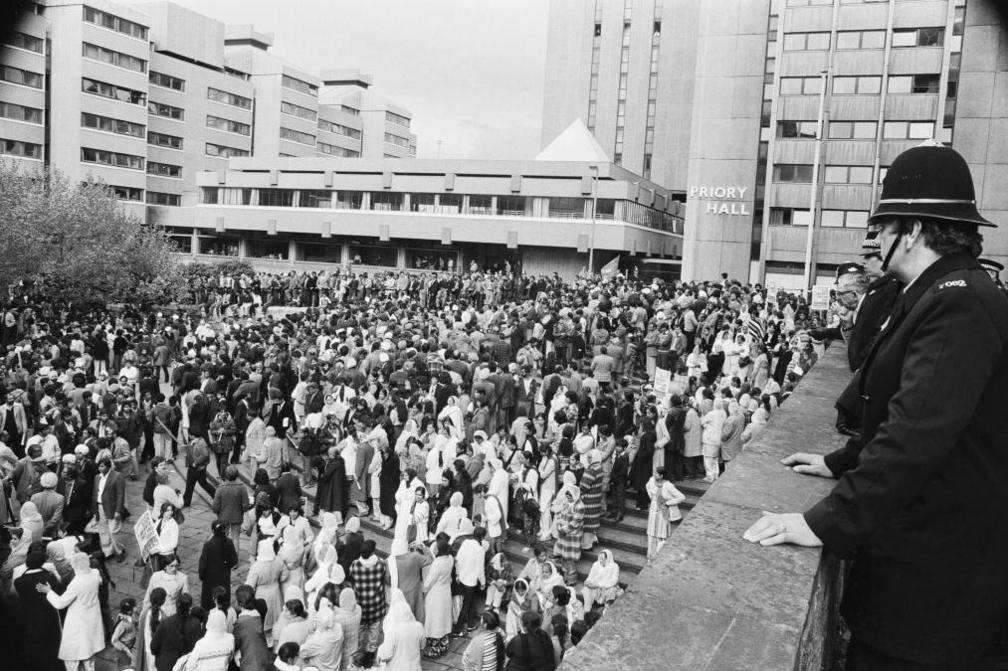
(851, 287)
(993, 268)
(922, 509)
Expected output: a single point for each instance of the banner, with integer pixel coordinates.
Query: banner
(821, 297)
(146, 535)
(610, 269)
(662, 381)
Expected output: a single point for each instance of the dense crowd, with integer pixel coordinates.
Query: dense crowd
(447, 408)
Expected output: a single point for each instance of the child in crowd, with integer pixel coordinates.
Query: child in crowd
(125, 634)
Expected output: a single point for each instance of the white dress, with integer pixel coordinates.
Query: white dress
(83, 632)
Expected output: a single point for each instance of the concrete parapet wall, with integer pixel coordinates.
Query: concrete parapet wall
(712, 600)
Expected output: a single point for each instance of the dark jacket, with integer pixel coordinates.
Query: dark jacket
(230, 502)
(921, 508)
(290, 491)
(215, 563)
(531, 652)
(251, 643)
(113, 498)
(174, 638)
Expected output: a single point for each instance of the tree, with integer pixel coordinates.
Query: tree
(78, 245)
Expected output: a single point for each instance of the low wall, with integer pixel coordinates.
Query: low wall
(712, 600)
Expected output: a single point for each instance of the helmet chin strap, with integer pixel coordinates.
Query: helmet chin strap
(892, 250)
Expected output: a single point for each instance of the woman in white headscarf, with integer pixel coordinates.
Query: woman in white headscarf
(548, 579)
(327, 534)
(264, 576)
(404, 636)
(438, 600)
(406, 503)
(328, 570)
(348, 615)
(83, 633)
(255, 436)
(213, 652)
(323, 649)
(452, 517)
(602, 584)
(453, 413)
(292, 554)
(31, 522)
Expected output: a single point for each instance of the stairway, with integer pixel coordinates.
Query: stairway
(627, 539)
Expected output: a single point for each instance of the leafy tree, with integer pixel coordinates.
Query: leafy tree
(78, 245)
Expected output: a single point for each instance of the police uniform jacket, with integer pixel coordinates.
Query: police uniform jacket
(871, 314)
(922, 508)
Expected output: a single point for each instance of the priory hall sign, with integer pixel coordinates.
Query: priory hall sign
(722, 199)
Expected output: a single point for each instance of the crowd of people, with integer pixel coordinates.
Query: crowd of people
(447, 408)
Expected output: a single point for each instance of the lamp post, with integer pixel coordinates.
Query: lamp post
(809, 278)
(591, 243)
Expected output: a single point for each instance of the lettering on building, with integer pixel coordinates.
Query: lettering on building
(728, 200)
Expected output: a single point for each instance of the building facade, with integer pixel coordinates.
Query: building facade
(796, 108)
(143, 97)
(430, 214)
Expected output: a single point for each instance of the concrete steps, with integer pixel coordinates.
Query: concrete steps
(627, 539)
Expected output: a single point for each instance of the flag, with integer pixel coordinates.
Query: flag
(757, 332)
(610, 269)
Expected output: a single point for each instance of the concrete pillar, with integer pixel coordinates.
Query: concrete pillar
(345, 255)
(401, 258)
(493, 205)
(292, 250)
(242, 248)
(194, 244)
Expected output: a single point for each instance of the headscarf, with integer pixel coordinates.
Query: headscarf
(456, 500)
(293, 592)
(352, 525)
(607, 575)
(348, 600)
(546, 583)
(327, 534)
(81, 563)
(265, 551)
(216, 624)
(31, 521)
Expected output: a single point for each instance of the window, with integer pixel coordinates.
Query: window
(397, 140)
(843, 218)
(223, 151)
(228, 125)
(125, 61)
(229, 98)
(848, 174)
(908, 130)
(289, 82)
(793, 172)
(166, 111)
(166, 81)
(114, 159)
(566, 208)
(111, 22)
(856, 130)
(397, 119)
(19, 76)
(208, 195)
(322, 199)
(164, 169)
(127, 193)
(119, 93)
(782, 216)
(20, 113)
(276, 197)
(511, 206)
(797, 129)
(333, 150)
(386, 201)
(19, 148)
(297, 136)
(157, 198)
(339, 129)
(480, 205)
(865, 85)
(111, 125)
(914, 83)
(350, 110)
(298, 111)
(23, 41)
(918, 37)
(861, 39)
(801, 85)
(806, 41)
(349, 200)
(164, 140)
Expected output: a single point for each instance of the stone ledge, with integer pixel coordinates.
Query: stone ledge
(712, 600)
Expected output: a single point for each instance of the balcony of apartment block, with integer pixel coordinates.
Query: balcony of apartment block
(712, 601)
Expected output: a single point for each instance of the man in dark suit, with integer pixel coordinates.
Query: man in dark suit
(77, 496)
(919, 506)
(109, 506)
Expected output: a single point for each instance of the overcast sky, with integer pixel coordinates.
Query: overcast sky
(471, 71)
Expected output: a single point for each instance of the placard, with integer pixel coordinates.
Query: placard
(146, 535)
(662, 381)
(820, 297)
